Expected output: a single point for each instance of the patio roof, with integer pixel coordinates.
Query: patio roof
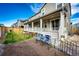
(47, 15)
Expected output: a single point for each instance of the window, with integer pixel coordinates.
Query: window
(43, 11)
(45, 25)
(59, 5)
(55, 24)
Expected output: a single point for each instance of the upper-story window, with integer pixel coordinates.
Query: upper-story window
(59, 5)
(43, 11)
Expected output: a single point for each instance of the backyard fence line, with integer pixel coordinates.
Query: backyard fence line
(2, 31)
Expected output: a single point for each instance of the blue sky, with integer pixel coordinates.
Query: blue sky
(75, 13)
(10, 12)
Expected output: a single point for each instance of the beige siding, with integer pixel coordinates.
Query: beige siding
(49, 7)
(35, 17)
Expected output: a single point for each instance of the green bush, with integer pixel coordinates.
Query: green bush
(9, 37)
(12, 37)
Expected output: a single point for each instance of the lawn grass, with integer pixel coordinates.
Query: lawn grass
(13, 37)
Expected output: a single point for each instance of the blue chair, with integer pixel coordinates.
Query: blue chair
(41, 37)
(37, 37)
(47, 39)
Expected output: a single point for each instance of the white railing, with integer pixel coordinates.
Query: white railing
(38, 29)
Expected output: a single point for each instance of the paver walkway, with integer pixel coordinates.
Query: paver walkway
(30, 48)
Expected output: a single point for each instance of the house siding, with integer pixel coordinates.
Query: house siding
(51, 13)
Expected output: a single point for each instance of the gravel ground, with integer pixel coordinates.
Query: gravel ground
(29, 48)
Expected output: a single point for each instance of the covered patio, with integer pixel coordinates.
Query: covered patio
(47, 23)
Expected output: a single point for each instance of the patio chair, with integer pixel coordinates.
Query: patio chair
(37, 37)
(41, 39)
(47, 40)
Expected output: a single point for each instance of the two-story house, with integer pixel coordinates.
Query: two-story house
(18, 24)
(53, 19)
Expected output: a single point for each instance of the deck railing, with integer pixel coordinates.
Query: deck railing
(38, 29)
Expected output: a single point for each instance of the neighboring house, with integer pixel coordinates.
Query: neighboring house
(18, 24)
(1, 25)
(14, 25)
(53, 19)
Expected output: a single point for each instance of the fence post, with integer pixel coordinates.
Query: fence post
(73, 48)
(60, 45)
(76, 48)
(54, 43)
(66, 46)
(63, 46)
(70, 48)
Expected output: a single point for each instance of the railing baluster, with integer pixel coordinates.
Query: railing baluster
(76, 48)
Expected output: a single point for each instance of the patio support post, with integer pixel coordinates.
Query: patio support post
(61, 28)
(32, 25)
(41, 24)
(27, 27)
(54, 25)
(50, 26)
(62, 22)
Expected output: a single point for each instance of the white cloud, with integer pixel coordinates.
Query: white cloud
(74, 21)
(35, 7)
(74, 9)
(22, 18)
(12, 21)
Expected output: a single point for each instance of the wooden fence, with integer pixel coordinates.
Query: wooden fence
(3, 30)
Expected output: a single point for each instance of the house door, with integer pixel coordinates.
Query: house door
(55, 24)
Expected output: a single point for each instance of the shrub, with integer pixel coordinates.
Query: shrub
(9, 37)
(12, 37)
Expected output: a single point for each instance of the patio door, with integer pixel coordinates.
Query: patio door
(55, 24)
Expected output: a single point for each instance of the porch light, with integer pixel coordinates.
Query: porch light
(62, 37)
(43, 11)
